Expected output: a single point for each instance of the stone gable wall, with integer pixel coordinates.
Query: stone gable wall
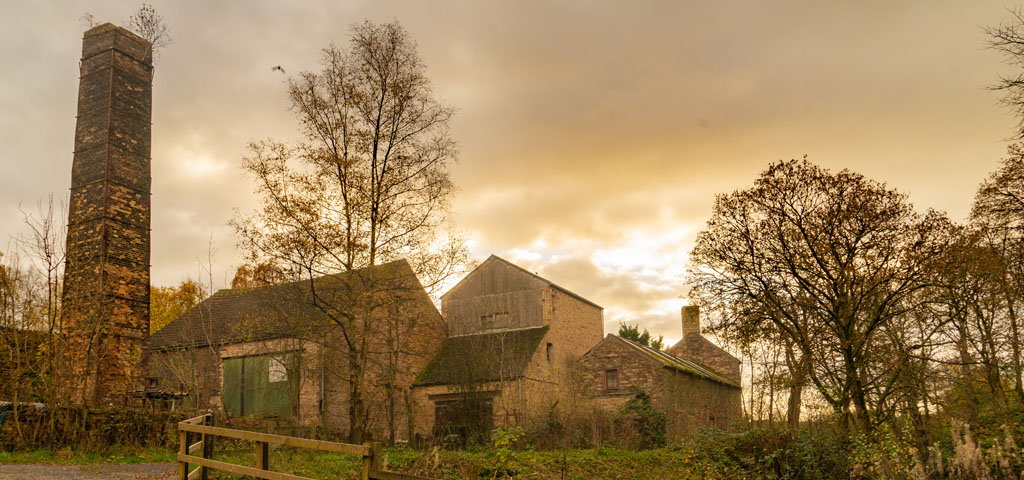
(703, 351)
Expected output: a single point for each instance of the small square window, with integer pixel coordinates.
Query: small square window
(486, 322)
(277, 372)
(611, 379)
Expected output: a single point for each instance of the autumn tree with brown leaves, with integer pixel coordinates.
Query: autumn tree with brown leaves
(168, 303)
(827, 260)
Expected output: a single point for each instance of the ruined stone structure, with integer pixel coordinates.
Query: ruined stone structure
(513, 340)
(695, 383)
(106, 286)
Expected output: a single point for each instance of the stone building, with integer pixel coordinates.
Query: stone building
(106, 283)
(691, 392)
(695, 347)
(278, 351)
(512, 340)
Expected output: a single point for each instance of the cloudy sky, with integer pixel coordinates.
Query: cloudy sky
(593, 135)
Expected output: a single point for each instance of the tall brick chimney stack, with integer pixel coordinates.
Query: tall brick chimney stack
(106, 281)
(691, 321)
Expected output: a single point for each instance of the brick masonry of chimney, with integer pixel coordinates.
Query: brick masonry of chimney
(106, 289)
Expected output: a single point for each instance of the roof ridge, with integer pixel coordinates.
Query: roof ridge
(494, 332)
(687, 365)
(213, 312)
(532, 274)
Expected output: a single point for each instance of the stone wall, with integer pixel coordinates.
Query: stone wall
(574, 326)
(690, 402)
(695, 347)
(106, 292)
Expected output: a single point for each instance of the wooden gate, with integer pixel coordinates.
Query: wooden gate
(202, 427)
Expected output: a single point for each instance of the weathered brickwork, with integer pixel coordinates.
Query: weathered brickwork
(689, 400)
(106, 292)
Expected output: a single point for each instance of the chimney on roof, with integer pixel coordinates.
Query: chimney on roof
(691, 321)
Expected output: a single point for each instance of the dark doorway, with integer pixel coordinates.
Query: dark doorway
(463, 420)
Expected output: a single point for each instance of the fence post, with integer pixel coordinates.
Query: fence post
(182, 449)
(207, 446)
(367, 462)
(263, 456)
(376, 456)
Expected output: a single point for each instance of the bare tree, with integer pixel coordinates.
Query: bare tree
(368, 183)
(145, 23)
(149, 25)
(1008, 39)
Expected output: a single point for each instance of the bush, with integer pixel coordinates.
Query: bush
(813, 452)
(646, 422)
(91, 430)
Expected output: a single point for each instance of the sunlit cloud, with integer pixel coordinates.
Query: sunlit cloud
(593, 136)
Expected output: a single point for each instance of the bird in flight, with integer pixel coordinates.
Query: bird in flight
(277, 68)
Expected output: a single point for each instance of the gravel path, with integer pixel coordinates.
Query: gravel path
(139, 471)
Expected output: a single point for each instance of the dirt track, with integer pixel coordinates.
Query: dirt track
(147, 471)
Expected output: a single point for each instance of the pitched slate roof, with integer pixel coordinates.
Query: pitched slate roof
(242, 315)
(677, 363)
(483, 357)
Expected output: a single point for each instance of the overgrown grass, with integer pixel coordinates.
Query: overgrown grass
(815, 451)
(707, 455)
(759, 454)
(601, 463)
(117, 454)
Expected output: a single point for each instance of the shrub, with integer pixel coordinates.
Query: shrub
(646, 422)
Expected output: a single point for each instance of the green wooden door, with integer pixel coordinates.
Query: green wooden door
(265, 384)
(254, 385)
(232, 389)
(281, 396)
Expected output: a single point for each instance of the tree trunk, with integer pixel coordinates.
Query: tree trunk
(356, 429)
(920, 431)
(965, 371)
(798, 378)
(410, 421)
(1015, 343)
(392, 412)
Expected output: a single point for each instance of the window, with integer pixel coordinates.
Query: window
(278, 372)
(549, 351)
(494, 321)
(611, 379)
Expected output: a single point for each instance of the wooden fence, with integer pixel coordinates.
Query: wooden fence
(202, 427)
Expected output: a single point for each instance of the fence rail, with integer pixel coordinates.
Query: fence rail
(202, 426)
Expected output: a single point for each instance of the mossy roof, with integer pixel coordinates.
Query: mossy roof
(679, 364)
(483, 357)
(243, 315)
